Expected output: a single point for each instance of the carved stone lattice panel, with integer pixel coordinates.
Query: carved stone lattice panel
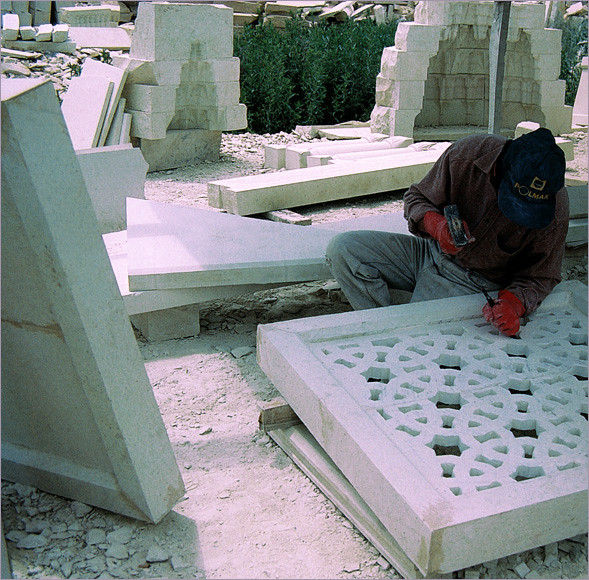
(445, 426)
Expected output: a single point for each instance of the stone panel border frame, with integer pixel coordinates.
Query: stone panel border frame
(467, 445)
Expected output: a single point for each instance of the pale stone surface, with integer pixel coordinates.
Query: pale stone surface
(179, 148)
(87, 16)
(84, 108)
(112, 174)
(95, 68)
(581, 101)
(467, 445)
(178, 322)
(226, 118)
(114, 133)
(44, 33)
(259, 193)
(220, 70)
(150, 99)
(151, 126)
(27, 32)
(170, 246)
(275, 156)
(10, 26)
(79, 416)
(152, 300)
(33, 45)
(101, 37)
(60, 33)
(207, 32)
(207, 95)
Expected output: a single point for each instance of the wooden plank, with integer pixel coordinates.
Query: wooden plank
(298, 443)
(277, 414)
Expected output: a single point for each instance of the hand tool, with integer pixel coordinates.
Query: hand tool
(455, 225)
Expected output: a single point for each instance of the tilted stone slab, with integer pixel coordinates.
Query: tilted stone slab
(281, 190)
(467, 445)
(95, 68)
(171, 246)
(79, 418)
(84, 108)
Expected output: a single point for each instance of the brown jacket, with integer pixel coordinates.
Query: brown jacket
(525, 261)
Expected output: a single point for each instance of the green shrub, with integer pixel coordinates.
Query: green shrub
(306, 75)
(574, 48)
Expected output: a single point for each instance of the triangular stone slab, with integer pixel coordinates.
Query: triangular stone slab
(172, 246)
(79, 417)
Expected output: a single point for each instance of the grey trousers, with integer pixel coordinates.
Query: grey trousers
(368, 264)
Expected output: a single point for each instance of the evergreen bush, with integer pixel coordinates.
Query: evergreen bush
(574, 48)
(310, 74)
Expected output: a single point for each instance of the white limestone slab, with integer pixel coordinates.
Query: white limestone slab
(467, 445)
(84, 107)
(171, 246)
(95, 68)
(139, 302)
(114, 133)
(581, 99)
(101, 37)
(79, 417)
(112, 174)
(282, 190)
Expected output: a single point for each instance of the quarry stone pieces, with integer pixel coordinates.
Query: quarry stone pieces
(79, 418)
(467, 445)
(447, 49)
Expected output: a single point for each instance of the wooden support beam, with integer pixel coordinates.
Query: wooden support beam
(497, 46)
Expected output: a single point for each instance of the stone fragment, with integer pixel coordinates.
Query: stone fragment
(60, 33)
(95, 536)
(44, 33)
(32, 541)
(156, 554)
(121, 535)
(36, 526)
(118, 551)
(242, 351)
(10, 26)
(80, 509)
(178, 563)
(521, 569)
(27, 32)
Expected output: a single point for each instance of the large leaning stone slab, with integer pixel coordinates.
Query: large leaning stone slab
(79, 418)
(112, 174)
(467, 445)
(171, 246)
(84, 108)
(95, 68)
(282, 190)
(177, 31)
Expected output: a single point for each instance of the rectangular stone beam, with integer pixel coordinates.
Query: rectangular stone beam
(282, 190)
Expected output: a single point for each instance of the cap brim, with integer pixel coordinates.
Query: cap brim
(525, 213)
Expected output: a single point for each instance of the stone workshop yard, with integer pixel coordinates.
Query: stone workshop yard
(248, 511)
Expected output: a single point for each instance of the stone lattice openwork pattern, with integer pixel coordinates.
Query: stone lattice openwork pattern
(468, 445)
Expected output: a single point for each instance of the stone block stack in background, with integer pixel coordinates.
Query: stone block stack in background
(437, 74)
(183, 84)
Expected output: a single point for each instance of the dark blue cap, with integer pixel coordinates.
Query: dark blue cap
(532, 172)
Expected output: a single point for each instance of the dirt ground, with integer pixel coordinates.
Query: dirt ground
(248, 511)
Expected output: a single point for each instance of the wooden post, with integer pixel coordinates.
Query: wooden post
(497, 46)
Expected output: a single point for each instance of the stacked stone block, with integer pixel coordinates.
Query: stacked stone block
(183, 88)
(437, 74)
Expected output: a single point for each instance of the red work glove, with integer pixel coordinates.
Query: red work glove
(506, 312)
(436, 226)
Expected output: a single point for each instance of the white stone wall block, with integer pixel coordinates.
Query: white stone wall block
(394, 122)
(60, 33)
(552, 93)
(399, 94)
(527, 15)
(10, 26)
(558, 119)
(150, 125)
(178, 31)
(545, 40)
(219, 70)
(208, 95)
(44, 33)
(546, 67)
(411, 36)
(149, 98)
(396, 64)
